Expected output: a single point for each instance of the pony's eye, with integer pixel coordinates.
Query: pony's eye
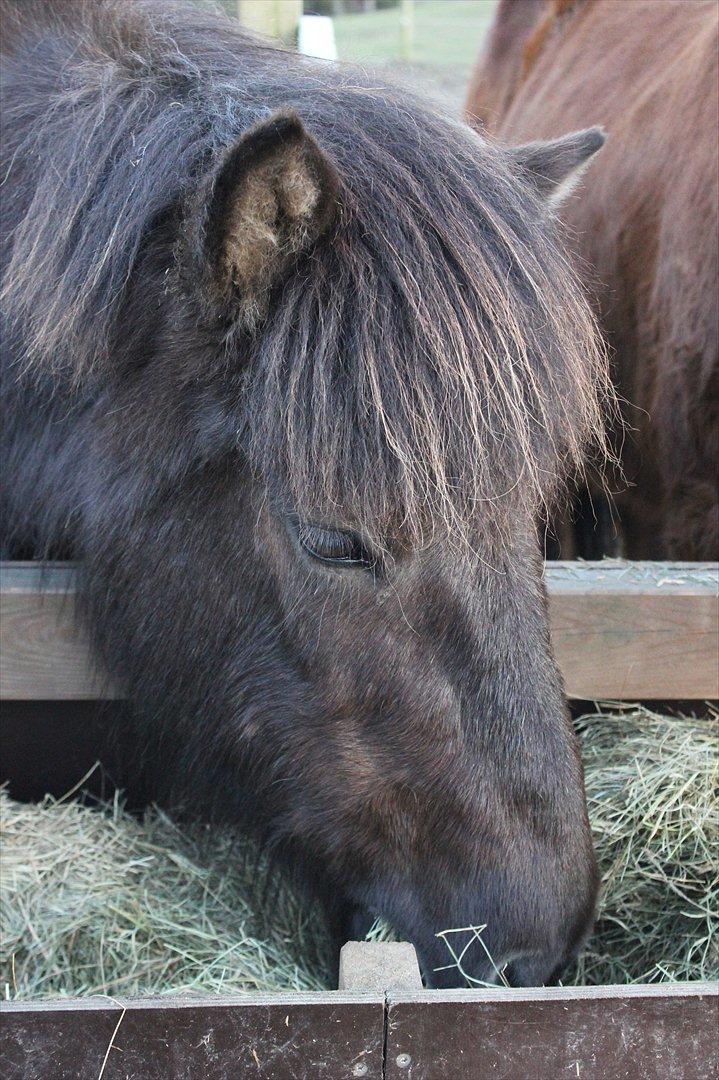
(334, 546)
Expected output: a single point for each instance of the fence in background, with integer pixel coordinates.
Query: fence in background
(621, 631)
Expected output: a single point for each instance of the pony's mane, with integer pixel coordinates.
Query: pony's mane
(433, 356)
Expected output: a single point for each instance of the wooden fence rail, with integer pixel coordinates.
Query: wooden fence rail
(621, 631)
(666, 1032)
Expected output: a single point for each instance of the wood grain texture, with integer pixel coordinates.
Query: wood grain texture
(620, 631)
(43, 653)
(296, 1036)
(668, 1032)
(636, 631)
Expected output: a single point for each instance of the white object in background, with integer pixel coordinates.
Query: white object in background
(317, 37)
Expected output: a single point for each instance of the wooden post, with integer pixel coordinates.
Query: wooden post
(273, 18)
(376, 966)
(406, 29)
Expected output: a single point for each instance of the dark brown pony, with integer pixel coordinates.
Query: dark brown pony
(290, 366)
(645, 226)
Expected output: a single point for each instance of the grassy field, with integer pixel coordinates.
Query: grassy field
(445, 42)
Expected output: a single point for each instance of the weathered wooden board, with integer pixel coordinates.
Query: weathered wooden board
(271, 1037)
(636, 631)
(43, 656)
(668, 1032)
(621, 631)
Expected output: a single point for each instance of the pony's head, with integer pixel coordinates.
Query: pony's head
(342, 367)
(419, 373)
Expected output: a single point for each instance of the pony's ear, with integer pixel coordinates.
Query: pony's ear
(272, 196)
(554, 167)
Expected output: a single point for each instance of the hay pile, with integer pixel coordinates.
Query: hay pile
(652, 796)
(93, 901)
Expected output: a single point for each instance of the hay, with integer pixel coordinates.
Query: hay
(95, 902)
(652, 795)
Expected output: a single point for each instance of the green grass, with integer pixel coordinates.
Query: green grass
(445, 42)
(447, 34)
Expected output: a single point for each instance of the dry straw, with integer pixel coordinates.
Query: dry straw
(94, 901)
(652, 793)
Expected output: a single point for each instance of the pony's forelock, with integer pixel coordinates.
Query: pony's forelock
(436, 358)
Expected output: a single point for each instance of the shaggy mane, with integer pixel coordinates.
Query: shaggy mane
(432, 357)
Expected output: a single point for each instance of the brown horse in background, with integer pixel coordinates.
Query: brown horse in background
(644, 227)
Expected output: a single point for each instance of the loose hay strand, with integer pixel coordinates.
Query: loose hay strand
(93, 901)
